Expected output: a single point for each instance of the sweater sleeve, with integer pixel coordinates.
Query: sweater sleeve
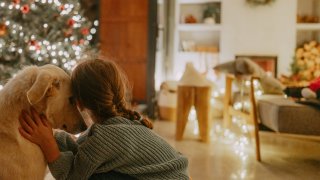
(91, 154)
(82, 138)
(66, 142)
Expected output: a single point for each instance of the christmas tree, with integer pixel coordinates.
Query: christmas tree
(38, 32)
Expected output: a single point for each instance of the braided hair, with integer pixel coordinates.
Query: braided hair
(102, 87)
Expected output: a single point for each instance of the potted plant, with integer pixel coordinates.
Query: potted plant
(211, 14)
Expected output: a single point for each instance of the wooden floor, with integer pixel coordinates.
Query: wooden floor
(231, 155)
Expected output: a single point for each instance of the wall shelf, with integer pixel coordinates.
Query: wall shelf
(197, 1)
(199, 27)
(197, 36)
(160, 2)
(196, 53)
(308, 26)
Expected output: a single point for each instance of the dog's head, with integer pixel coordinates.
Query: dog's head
(51, 94)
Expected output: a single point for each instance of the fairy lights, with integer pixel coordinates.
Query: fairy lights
(237, 136)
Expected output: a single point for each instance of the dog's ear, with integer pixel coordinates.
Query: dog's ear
(52, 90)
(40, 87)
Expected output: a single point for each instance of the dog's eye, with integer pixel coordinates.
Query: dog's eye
(72, 100)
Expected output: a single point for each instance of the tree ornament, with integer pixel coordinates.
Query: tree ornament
(85, 31)
(33, 42)
(70, 22)
(25, 9)
(16, 1)
(3, 29)
(61, 8)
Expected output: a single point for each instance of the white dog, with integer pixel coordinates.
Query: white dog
(48, 90)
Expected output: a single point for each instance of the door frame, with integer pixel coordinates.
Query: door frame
(151, 57)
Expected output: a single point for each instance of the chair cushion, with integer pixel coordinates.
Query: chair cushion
(245, 66)
(286, 116)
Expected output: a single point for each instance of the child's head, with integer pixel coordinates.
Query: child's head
(101, 87)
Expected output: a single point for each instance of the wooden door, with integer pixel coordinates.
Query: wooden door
(124, 37)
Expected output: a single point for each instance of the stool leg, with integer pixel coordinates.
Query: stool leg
(203, 109)
(185, 102)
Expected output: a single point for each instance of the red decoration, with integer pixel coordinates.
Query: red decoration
(315, 85)
(61, 8)
(190, 19)
(35, 44)
(25, 9)
(84, 31)
(70, 22)
(16, 1)
(3, 29)
(37, 47)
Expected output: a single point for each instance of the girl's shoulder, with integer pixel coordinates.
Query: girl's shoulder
(118, 121)
(117, 131)
(113, 125)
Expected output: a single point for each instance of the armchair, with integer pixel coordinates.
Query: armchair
(279, 114)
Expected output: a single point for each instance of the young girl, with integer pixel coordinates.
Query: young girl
(119, 145)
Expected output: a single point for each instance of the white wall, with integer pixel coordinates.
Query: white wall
(260, 30)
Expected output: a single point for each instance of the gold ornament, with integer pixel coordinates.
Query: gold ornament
(3, 29)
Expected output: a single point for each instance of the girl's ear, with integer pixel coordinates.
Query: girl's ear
(79, 105)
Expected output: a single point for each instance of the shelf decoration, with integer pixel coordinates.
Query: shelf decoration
(190, 19)
(259, 2)
(211, 14)
(188, 45)
(307, 19)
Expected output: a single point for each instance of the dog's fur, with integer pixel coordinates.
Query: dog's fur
(47, 89)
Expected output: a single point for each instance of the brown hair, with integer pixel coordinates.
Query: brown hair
(102, 87)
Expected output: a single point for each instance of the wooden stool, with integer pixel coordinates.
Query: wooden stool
(200, 98)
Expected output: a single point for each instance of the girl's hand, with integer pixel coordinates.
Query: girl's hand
(38, 130)
(35, 128)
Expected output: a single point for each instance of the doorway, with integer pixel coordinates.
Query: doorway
(127, 34)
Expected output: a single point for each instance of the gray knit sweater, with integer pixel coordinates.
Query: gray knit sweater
(118, 145)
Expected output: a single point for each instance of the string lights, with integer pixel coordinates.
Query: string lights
(238, 136)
